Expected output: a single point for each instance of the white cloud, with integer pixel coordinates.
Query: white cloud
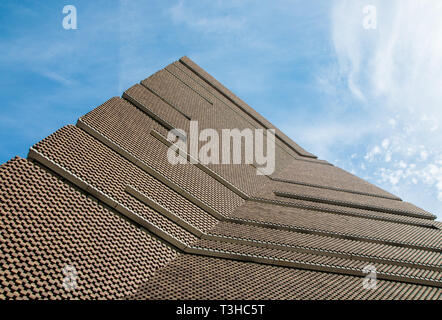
(399, 62)
(402, 164)
(392, 122)
(395, 72)
(370, 156)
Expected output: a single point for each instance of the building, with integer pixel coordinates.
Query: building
(98, 211)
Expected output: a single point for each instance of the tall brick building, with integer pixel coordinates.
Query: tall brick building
(97, 211)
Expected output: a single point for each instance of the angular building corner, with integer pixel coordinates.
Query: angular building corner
(97, 211)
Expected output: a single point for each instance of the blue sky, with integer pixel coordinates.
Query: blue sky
(368, 101)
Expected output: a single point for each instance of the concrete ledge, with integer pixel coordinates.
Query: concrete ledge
(203, 167)
(335, 188)
(150, 113)
(309, 266)
(35, 155)
(159, 208)
(356, 205)
(165, 101)
(151, 171)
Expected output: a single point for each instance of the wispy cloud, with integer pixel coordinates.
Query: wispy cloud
(395, 73)
(57, 78)
(224, 23)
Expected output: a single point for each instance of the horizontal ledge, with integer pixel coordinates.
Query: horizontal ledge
(335, 188)
(353, 205)
(309, 266)
(165, 101)
(109, 201)
(201, 166)
(346, 211)
(338, 235)
(183, 82)
(165, 212)
(151, 114)
(324, 252)
(200, 234)
(146, 168)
